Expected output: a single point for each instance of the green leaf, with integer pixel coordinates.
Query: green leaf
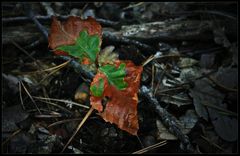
(115, 75)
(98, 90)
(85, 46)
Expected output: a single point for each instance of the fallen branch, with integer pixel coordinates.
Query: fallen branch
(146, 32)
(78, 67)
(48, 18)
(168, 120)
(31, 15)
(21, 35)
(120, 39)
(200, 12)
(177, 30)
(25, 35)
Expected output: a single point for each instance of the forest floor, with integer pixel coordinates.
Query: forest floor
(188, 93)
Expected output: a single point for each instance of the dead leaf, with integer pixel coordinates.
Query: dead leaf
(12, 82)
(200, 96)
(10, 121)
(220, 37)
(188, 74)
(187, 62)
(180, 99)
(234, 51)
(107, 56)
(225, 126)
(120, 105)
(207, 60)
(204, 94)
(67, 32)
(185, 122)
(82, 93)
(227, 77)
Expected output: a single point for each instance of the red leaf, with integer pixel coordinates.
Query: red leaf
(66, 33)
(121, 107)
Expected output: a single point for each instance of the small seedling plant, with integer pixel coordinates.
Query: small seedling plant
(114, 88)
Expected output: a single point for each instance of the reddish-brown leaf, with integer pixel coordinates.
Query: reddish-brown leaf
(121, 105)
(66, 33)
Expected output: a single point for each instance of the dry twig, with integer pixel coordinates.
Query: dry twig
(168, 120)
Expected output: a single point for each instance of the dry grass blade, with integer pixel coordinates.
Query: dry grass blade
(64, 101)
(56, 67)
(151, 147)
(78, 128)
(227, 112)
(175, 97)
(48, 69)
(133, 5)
(23, 50)
(140, 142)
(153, 75)
(170, 90)
(222, 86)
(212, 143)
(48, 116)
(34, 110)
(30, 97)
(51, 103)
(63, 121)
(170, 56)
(8, 61)
(148, 60)
(157, 56)
(48, 75)
(54, 71)
(46, 95)
(159, 82)
(10, 137)
(20, 95)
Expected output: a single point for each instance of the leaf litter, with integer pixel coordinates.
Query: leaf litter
(178, 80)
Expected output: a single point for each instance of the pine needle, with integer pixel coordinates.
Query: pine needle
(30, 97)
(144, 150)
(78, 128)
